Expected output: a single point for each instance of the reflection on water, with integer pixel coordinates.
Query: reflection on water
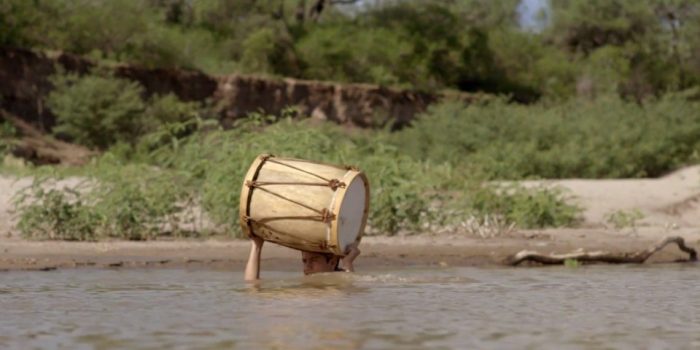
(592, 307)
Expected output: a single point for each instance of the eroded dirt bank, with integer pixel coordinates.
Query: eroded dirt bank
(25, 84)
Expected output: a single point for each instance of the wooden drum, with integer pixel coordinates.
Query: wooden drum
(304, 205)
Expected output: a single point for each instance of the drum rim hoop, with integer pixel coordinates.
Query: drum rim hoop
(246, 192)
(349, 177)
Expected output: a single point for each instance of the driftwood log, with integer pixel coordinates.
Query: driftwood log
(603, 257)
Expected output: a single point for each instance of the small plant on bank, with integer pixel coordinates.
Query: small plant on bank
(572, 263)
(621, 219)
(124, 201)
(526, 207)
(489, 226)
(48, 212)
(140, 202)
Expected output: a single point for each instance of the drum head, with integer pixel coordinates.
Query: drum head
(351, 215)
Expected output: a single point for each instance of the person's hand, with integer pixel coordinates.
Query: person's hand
(352, 253)
(257, 241)
(252, 268)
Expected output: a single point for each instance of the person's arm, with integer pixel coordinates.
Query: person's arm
(349, 258)
(252, 268)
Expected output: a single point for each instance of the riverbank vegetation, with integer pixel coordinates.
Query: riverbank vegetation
(597, 89)
(150, 180)
(638, 49)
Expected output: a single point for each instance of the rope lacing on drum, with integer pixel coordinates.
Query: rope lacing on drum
(325, 216)
(334, 184)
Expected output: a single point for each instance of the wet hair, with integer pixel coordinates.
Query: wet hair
(329, 257)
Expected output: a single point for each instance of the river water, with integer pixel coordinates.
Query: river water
(595, 307)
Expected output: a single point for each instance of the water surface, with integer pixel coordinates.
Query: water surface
(497, 308)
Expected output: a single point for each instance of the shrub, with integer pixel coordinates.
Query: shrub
(526, 207)
(139, 202)
(96, 111)
(100, 111)
(335, 53)
(624, 218)
(127, 201)
(48, 212)
(7, 135)
(605, 138)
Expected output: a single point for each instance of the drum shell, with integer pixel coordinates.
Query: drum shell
(288, 209)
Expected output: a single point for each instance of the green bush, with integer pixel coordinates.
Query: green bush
(620, 219)
(48, 212)
(220, 160)
(584, 48)
(96, 111)
(117, 200)
(526, 207)
(7, 135)
(605, 138)
(139, 202)
(331, 53)
(100, 111)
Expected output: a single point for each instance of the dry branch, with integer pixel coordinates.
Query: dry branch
(604, 257)
(40, 148)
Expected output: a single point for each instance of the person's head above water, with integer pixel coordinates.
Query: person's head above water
(313, 262)
(319, 262)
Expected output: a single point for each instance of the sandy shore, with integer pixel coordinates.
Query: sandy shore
(377, 252)
(670, 205)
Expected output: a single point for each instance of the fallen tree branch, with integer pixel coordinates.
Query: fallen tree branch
(604, 257)
(40, 148)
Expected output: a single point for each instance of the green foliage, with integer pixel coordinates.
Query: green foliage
(638, 49)
(164, 154)
(365, 55)
(167, 109)
(7, 135)
(139, 202)
(126, 201)
(428, 174)
(651, 41)
(219, 159)
(572, 263)
(17, 17)
(585, 25)
(605, 138)
(100, 111)
(624, 218)
(49, 212)
(96, 111)
(526, 207)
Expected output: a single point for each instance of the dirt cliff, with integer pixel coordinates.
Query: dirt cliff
(24, 81)
(24, 84)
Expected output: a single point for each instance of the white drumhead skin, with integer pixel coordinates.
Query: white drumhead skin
(351, 213)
